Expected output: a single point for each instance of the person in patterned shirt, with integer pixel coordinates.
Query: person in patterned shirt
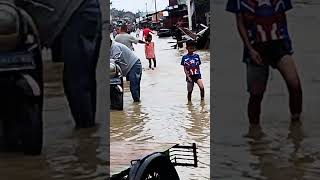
(262, 25)
(191, 63)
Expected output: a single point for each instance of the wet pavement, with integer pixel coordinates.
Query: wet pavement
(164, 116)
(286, 151)
(67, 153)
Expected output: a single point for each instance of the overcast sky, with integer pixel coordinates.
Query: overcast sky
(136, 5)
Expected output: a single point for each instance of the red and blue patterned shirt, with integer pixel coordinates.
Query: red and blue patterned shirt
(192, 63)
(265, 20)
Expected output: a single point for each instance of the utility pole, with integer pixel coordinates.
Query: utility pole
(155, 7)
(189, 14)
(146, 8)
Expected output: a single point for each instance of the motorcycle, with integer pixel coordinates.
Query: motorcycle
(116, 85)
(21, 80)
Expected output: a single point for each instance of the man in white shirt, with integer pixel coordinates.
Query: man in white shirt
(124, 38)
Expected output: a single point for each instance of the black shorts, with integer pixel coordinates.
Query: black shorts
(272, 52)
(194, 78)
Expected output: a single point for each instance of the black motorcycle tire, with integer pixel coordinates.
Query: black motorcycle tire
(120, 98)
(159, 168)
(116, 97)
(33, 129)
(117, 101)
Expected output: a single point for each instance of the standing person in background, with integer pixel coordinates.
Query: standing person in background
(191, 63)
(178, 35)
(149, 51)
(124, 38)
(74, 29)
(130, 65)
(137, 32)
(146, 31)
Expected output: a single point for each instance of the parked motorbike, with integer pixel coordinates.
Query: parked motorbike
(21, 80)
(116, 85)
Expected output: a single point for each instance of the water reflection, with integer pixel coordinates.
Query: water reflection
(296, 135)
(199, 121)
(79, 159)
(270, 163)
(127, 123)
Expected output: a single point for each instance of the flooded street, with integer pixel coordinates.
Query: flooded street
(67, 153)
(164, 117)
(286, 152)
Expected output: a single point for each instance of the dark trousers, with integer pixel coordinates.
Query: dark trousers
(134, 76)
(154, 62)
(81, 41)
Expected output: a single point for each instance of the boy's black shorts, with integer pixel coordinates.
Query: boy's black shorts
(194, 78)
(273, 51)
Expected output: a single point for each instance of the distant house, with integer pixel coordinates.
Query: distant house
(177, 11)
(155, 17)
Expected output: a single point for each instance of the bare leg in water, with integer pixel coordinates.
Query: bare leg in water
(201, 87)
(254, 108)
(289, 72)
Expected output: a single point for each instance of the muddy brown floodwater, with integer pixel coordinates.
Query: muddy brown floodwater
(164, 116)
(286, 152)
(67, 153)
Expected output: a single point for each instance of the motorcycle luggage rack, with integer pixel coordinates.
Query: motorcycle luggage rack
(179, 156)
(183, 155)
